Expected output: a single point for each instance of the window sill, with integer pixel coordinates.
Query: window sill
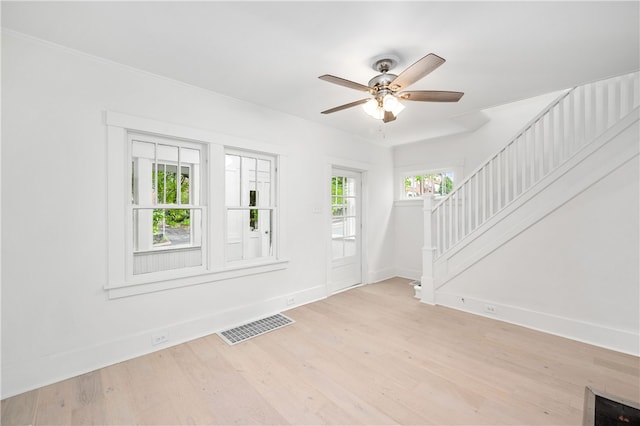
(417, 201)
(143, 285)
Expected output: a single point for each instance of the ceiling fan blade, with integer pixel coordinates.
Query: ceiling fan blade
(416, 71)
(345, 106)
(430, 96)
(342, 82)
(388, 116)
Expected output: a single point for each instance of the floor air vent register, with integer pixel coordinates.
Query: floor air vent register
(255, 328)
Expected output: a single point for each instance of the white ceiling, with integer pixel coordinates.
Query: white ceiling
(271, 53)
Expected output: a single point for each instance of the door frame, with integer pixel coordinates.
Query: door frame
(362, 169)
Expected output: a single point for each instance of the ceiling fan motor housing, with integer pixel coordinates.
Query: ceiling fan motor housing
(382, 80)
(380, 84)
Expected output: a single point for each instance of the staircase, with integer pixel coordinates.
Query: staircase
(570, 141)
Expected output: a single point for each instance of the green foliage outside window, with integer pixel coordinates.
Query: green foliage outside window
(416, 186)
(337, 188)
(167, 189)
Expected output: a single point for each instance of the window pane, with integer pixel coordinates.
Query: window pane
(232, 180)
(143, 154)
(185, 178)
(253, 220)
(260, 241)
(411, 187)
(249, 177)
(234, 234)
(166, 228)
(264, 183)
(167, 177)
(249, 234)
(448, 182)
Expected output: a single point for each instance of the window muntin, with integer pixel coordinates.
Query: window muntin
(250, 209)
(437, 183)
(344, 217)
(166, 214)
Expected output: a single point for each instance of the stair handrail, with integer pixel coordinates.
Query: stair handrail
(531, 123)
(582, 111)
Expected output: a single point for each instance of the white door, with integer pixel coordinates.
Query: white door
(346, 257)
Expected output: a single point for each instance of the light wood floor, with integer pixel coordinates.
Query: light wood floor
(371, 355)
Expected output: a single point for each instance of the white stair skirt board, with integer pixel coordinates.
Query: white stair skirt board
(254, 328)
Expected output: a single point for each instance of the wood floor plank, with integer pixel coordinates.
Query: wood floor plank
(370, 355)
(20, 410)
(55, 403)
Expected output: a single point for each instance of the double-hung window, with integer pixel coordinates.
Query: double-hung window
(250, 207)
(167, 212)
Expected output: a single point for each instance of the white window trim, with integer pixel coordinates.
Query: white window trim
(120, 283)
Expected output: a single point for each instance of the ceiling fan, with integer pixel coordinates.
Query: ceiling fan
(388, 89)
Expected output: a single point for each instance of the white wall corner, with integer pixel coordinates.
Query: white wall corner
(380, 275)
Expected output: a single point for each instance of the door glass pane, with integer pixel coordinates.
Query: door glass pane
(337, 228)
(351, 207)
(350, 246)
(350, 226)
(337, 210)
(337, 247)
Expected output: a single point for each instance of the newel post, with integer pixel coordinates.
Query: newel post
(428, 250)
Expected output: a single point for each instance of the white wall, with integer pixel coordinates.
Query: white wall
(468, 150)
(56, 318)
(575, 273)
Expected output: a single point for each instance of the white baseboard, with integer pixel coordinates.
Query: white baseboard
(625, 341)
(411, 274)
(381, 275)
(32, 374)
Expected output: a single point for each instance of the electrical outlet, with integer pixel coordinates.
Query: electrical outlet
(159, 338)
(490, 309)
(290, 301)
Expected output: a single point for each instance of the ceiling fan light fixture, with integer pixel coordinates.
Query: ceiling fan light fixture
(373, 108)
(389, 102)
(397, 109)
